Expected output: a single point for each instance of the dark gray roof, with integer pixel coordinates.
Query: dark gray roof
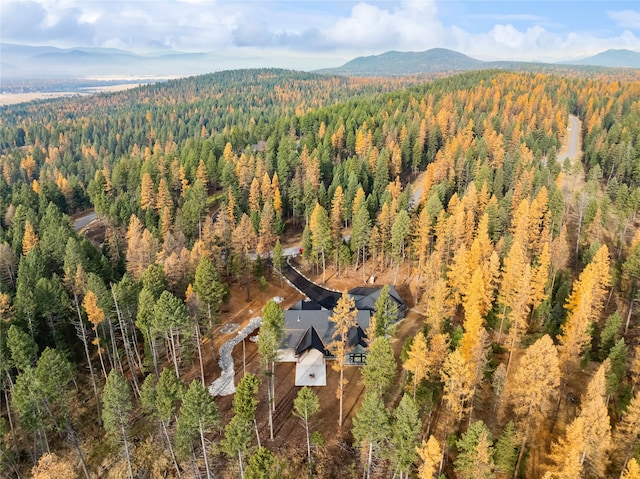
(306, 305)
(297, 322)
(310, 339)
(366, 297)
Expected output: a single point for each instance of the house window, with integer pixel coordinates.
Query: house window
(358, 358)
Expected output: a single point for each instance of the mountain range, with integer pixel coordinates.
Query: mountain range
(440, 59)
(40, 62)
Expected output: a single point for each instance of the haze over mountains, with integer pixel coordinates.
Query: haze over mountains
(440, 59)
(39, 62)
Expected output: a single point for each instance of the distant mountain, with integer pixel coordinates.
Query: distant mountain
(407, 63)
(611, 58)
(24, 62)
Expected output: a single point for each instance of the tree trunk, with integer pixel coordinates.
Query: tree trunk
(104, 370)
(255, 426)
(127, 346)
(204, 452)
(273, 384)
(85, 342)
(197, 329)
(173, 456)
(126, 449)
(324, 275)
(520, 454)
(240, 462)
(633, 294)
(306, 429)
(269, 400)
(370, 459)
(341, 387)
(174, 352)
(154, 353)
(74, 440)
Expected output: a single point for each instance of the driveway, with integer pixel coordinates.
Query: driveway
(324, 297)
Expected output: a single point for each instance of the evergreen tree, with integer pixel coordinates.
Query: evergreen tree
(380, 370)
(198, 416)
(305, 406)
(271, 331)
(210, 290)
(262, 465)
(385, 313)
(475, 457)
(405, 430)
(506, 450)
(371, 427)
(116, 411)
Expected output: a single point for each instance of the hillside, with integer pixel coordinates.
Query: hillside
(407, 63)
(442, 60)
(611, 58)
(502, 206)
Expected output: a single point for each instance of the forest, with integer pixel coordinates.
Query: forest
(520, 354)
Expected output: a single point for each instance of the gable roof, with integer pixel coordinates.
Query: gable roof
(305, 305)
(310, 339)
(298, 322)
(366, 297)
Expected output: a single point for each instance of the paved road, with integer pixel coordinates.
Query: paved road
(324, 297)
(574, 137)
(83, 220)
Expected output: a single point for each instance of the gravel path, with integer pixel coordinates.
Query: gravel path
(224, 385)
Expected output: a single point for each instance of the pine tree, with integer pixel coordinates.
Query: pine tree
(475, 453)
(405, 430)
(506, 450)
(236, 440)
(385, 314)
(245, 401)
(198, 416)
(210, 290)
(271, 331)
(169, 392)
(627, 432)
(305, 406)
(371, 427)
(116, 411)
(361, 227)
(344, 318)
(380, 370)
(262, 465)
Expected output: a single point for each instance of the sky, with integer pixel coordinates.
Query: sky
(315, 34)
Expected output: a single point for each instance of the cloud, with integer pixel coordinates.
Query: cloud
(327, 30)
(626, 18)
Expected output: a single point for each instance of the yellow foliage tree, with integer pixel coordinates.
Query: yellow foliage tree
(30, 239)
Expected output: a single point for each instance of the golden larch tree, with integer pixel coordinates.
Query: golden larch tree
(535, 386)
(30, 238)
(147, 193)
(430, 454)
(344, 318)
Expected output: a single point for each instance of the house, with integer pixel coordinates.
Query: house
(308, 333)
